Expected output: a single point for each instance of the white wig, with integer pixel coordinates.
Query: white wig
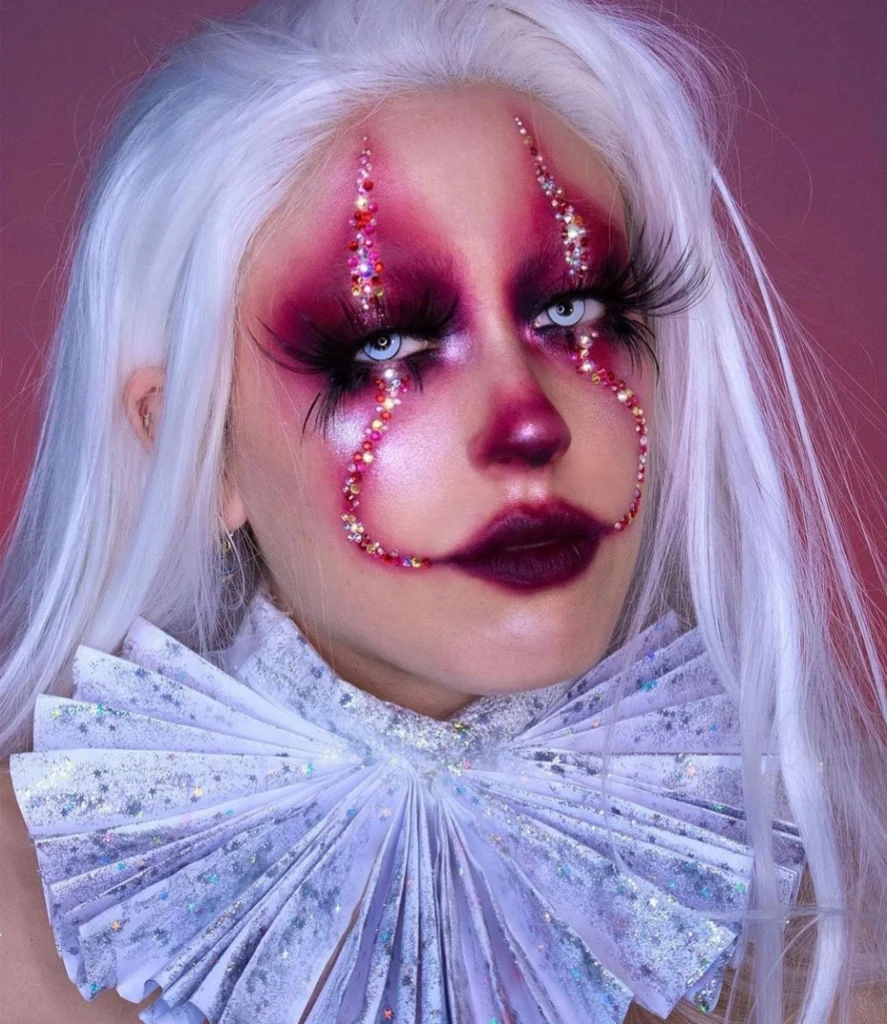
(741, 535)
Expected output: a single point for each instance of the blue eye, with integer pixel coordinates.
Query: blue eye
(568, 312)
(393, 345)
(386, 346)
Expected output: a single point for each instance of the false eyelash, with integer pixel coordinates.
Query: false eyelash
(331, 354)
(651, 284)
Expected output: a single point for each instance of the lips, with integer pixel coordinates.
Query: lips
(527, 547)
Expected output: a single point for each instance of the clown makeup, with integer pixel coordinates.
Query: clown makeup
(578, 257)
(454, 352)
(367, 288)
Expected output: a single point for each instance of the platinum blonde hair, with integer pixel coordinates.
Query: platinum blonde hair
(742, 536)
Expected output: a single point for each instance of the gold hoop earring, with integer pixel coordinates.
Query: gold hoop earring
(226, 547)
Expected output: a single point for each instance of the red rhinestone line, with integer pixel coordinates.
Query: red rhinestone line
(364, 262)
(367, 288)
(576, 252)
(573, 232)
(587, 367)
(389, 386)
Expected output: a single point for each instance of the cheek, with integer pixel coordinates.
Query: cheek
(404, 491)
(418, 461)
(607, 433)
(422, 481)
(277, 470)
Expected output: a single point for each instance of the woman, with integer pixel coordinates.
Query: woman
(404, 347)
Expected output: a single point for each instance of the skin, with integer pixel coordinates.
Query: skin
(453, 176)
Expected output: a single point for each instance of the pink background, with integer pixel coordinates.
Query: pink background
(810, 131)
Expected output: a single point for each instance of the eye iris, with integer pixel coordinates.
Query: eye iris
(384, 347)
(567, 312)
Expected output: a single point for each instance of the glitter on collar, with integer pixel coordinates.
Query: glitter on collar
(228, 829)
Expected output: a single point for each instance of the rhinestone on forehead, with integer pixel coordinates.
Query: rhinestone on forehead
(364, 262)
(573, 233)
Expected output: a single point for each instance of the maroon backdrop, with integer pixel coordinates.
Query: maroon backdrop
(810, 130)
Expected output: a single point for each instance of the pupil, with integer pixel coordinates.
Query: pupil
(383, 342)
(565, 308)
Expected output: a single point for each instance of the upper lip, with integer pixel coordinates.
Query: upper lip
(529, 525)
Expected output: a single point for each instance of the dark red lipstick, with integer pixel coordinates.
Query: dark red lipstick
(529, 547)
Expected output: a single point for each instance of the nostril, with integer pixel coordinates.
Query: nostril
(536, 453)
(542, 454)
(529, 432)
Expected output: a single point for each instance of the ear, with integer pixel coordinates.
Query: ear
(142, 402)
(233, 508)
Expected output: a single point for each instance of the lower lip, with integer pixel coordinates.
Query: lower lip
(549, 565)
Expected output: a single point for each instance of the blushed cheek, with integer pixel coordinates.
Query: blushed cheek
(417, 462)
(406, 492)
(294, 467)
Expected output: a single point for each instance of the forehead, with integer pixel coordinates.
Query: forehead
(448, 165)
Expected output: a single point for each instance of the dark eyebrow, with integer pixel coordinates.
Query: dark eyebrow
(404, 268)
(429, 275)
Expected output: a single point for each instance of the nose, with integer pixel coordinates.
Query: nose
(524, 428)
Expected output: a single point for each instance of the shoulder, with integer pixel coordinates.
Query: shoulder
(35, 985)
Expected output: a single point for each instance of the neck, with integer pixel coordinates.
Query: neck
(383, 679)
(388, 682)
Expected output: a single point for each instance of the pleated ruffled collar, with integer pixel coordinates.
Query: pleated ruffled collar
(257, 836)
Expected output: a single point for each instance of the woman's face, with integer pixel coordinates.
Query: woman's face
(468, 253)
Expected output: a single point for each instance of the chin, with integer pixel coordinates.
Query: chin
(538, 647)
(522, 667)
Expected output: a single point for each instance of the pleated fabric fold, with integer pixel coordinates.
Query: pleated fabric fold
(264, 841)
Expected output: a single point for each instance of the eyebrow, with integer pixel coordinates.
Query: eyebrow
(539, 258)
(542, 265)
(405, 267)
(427, 280)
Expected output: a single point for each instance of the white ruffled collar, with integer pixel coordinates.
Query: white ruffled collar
(212, 829)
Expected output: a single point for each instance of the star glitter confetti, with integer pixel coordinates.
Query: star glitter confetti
(226, 829)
